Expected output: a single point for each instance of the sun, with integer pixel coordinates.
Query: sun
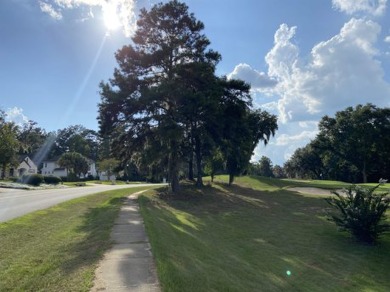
(111, 17)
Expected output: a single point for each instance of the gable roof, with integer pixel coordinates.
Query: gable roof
(25, 158)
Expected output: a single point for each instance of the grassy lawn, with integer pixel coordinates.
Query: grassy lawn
(57, 249)
(117, 182)
(265, 183)
(262, 238)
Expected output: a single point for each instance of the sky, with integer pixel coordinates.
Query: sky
(303, 58)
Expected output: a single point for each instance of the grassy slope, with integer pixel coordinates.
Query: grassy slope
(262, 183)
(241, 239)
(58, 249)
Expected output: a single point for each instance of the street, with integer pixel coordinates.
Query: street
(15, 203)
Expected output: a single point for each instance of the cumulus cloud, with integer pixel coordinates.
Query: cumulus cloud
(282, 57)
(341, 71)
(285, 139)
(373, 7)
(257, 80)
(344, 70)
(122, 10)
(16, 115)
(283, 66)
(288, 138)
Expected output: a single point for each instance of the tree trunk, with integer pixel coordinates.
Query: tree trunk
(198, 154)
(231, 179)
(3, 168)
(173, 168)
(175, 186)
(364, 172)
(191, 167)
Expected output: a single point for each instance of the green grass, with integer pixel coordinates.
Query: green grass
(58, 249)
(249, 239)
(265, 183)
(117, 182)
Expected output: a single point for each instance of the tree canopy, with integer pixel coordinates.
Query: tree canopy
(165, 106)
(352, 146)
(9, 144)
(74, 162)
(75, 138)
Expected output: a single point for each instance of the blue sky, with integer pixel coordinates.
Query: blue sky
(304, 58)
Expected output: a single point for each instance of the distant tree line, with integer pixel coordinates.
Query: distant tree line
(166, 112)
(32, 140)
(353, 146)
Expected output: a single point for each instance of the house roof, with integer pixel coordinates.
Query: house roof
(25, 158)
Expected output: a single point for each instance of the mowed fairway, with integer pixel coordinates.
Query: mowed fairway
(263, 239)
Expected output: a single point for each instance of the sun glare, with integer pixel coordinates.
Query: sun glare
(111, 17)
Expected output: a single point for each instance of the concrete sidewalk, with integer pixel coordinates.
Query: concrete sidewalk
(128, 265)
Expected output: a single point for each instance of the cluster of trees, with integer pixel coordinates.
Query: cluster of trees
(353, 146)
(16, 140)
(74, 145)
(264, 167)
(166, 111)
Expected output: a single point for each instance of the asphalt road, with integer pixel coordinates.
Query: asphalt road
(15, 203)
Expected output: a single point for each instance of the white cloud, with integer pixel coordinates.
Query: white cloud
(282, 57)
(340, 72)
(373, 7)
(271, 107)
(257, 80)
(308, 124)
(285, 139)
(343, 71)
(387, 39)
(49, 9)
(124, 10)
(77, 3)
(16, 115)
(283, 65)
(288, 138)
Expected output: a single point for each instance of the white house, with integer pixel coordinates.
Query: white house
(26, 166)
(51, 167)
(104, 176)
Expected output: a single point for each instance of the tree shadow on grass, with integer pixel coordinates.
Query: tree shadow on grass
(237, 238)
(94, 237)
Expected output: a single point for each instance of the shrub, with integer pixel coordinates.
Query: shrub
(52, 180)
(361, 212)
(80, 184)
(72, 177)
(32, 179)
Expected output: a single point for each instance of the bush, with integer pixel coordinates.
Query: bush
(80, 184)
(32, 179)
(361, 212)
(72, 177)
(52, 180)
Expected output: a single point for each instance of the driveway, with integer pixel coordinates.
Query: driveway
(15, 203)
